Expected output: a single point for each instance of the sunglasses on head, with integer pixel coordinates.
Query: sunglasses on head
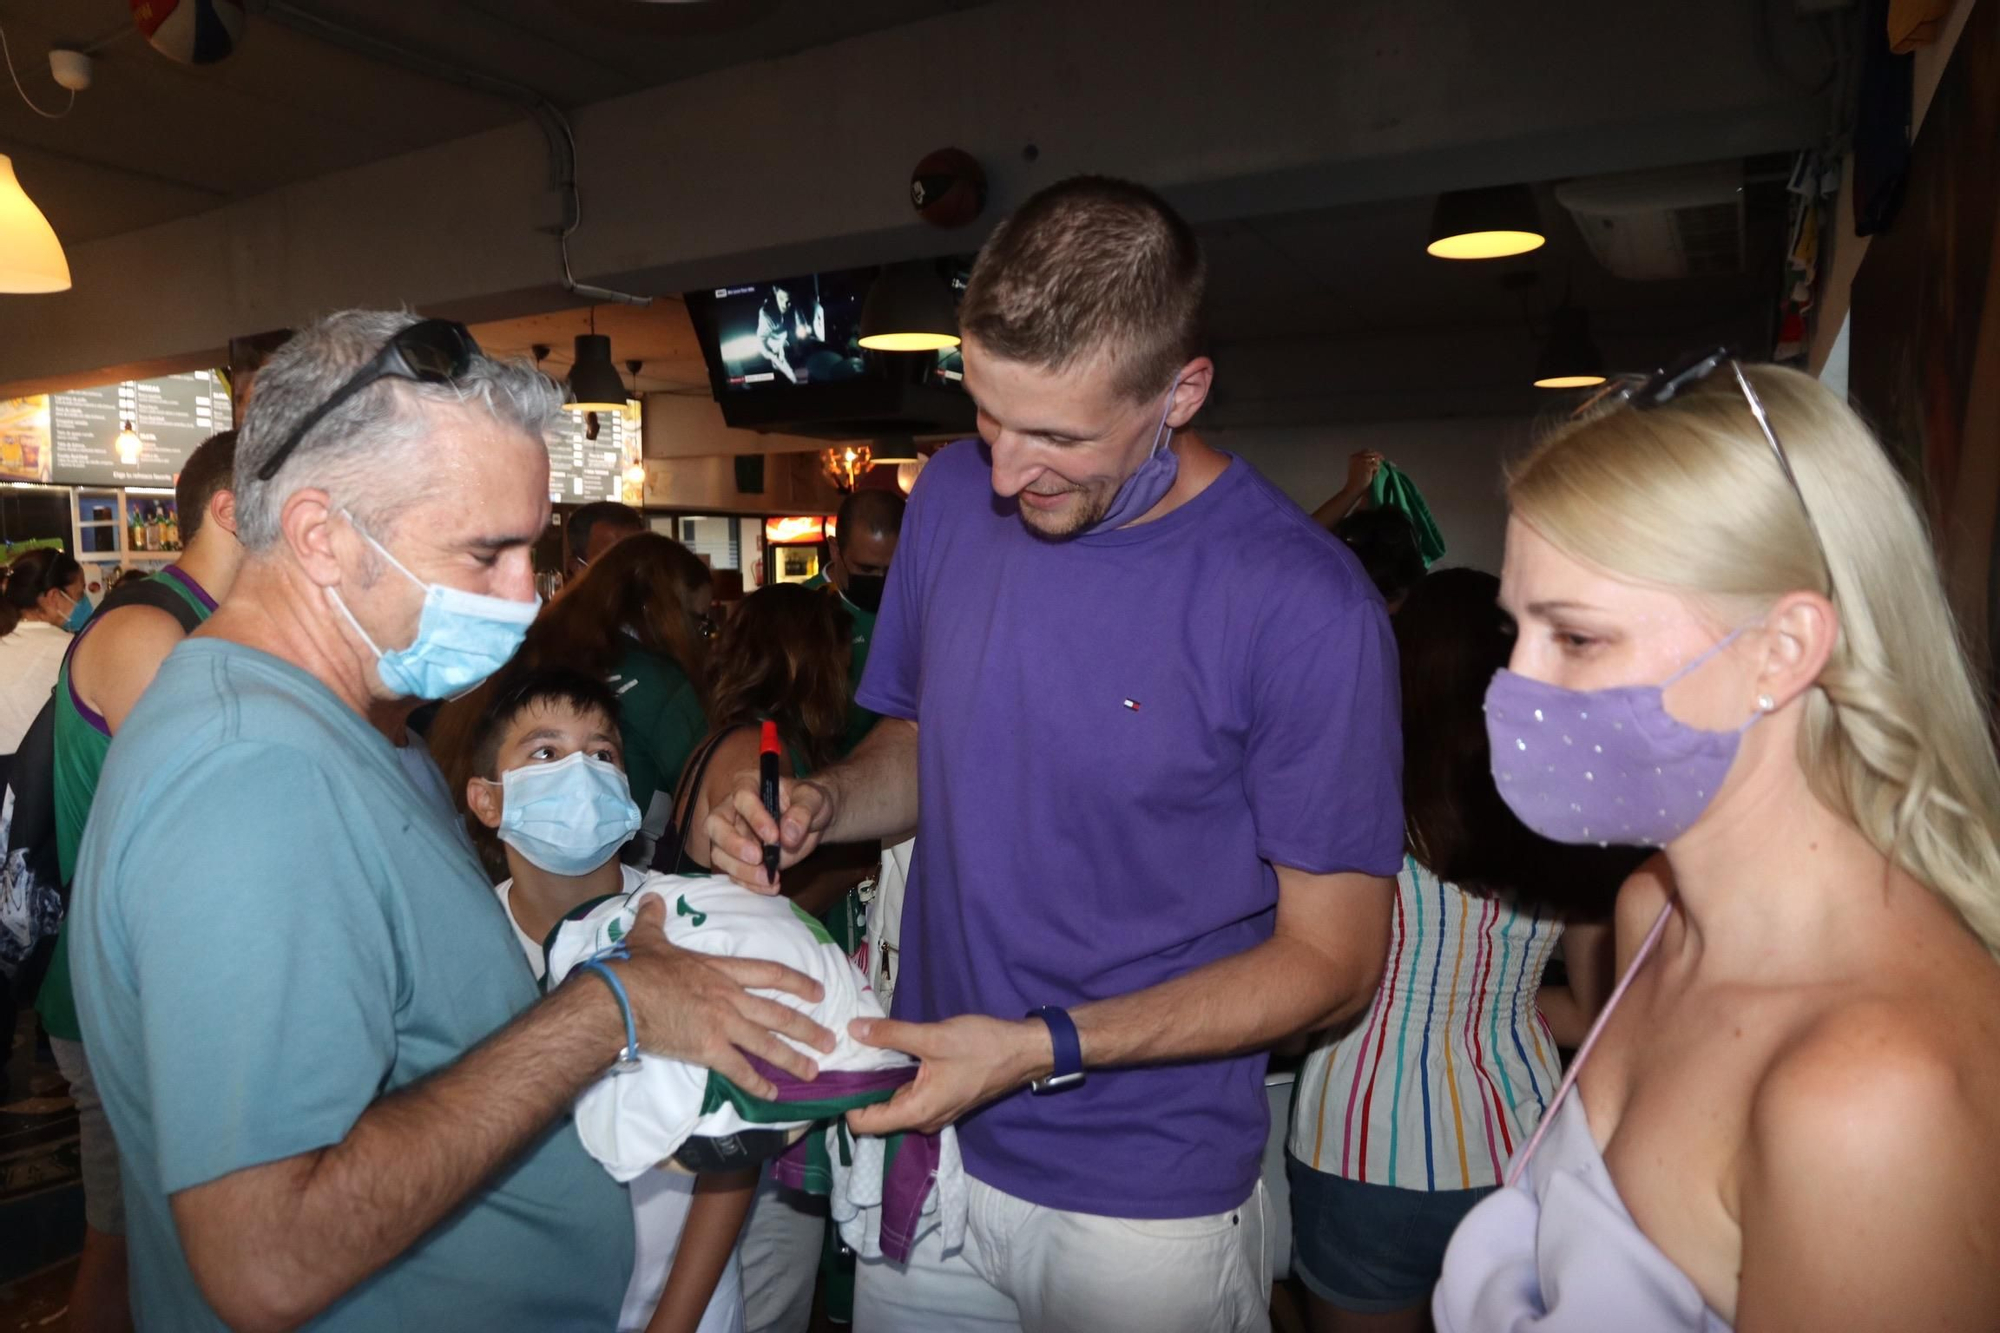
(431, 351)
(1663, 386)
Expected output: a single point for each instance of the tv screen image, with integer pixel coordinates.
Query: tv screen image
(794, 331)
(949, 369)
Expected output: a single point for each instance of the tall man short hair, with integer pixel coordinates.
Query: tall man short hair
(1157, 806)
(333, 1086)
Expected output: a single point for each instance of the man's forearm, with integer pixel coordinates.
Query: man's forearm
(1245, 1002)
(290, 1248)
(875, 789)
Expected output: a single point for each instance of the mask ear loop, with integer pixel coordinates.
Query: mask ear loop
(1165, 412)
(1756, 714)
(368, 537)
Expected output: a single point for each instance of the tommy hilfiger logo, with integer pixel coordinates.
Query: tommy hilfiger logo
(1132, 704)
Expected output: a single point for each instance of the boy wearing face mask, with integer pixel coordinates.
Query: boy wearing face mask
(550, 781)
(864, 542)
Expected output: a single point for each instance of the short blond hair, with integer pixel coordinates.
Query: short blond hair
(1091, 266)
(1688, 497)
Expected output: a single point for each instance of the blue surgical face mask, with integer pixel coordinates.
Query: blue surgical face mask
(568, 817)
(79, 614)
(462, 637)
(1155, 477)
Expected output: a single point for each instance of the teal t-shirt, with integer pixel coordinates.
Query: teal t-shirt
(247, 994)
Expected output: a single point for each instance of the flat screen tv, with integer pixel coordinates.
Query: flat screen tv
(785, 355)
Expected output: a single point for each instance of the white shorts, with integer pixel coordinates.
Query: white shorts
(1030, 1269)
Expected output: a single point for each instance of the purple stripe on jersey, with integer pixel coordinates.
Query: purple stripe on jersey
(187, 580)
(831, 1083)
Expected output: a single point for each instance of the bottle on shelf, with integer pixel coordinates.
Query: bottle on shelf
(137, 535)
(173, 529)
(152, 527)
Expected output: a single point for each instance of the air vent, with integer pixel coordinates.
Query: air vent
(1652, 225)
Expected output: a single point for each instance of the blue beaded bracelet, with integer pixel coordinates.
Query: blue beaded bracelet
(628, 1059)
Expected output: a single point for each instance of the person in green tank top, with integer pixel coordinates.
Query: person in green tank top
(108, 667)
(864, 542)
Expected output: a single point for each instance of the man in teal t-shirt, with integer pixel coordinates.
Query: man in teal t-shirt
(337, 1098)
(864, 543)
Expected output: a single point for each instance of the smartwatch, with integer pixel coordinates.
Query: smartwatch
(1068, 1071)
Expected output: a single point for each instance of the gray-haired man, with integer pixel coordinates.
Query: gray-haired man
(327, 1070)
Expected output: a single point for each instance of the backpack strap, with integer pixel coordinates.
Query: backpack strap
(670, 854)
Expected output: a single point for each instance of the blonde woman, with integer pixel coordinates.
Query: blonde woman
(1733, 643)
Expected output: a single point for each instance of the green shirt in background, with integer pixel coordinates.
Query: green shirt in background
(859, 719)
(660, 722)
(82, 741)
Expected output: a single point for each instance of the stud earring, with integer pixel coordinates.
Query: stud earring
(1766, 704)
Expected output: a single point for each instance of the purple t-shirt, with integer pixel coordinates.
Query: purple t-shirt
(1118, 734)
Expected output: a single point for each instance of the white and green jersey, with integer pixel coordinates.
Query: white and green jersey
(633, 1121)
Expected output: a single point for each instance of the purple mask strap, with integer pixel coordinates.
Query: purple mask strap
(1756, 715)
(1697, 663)
(1165, 412)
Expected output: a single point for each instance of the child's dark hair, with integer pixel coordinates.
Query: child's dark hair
(518, 688)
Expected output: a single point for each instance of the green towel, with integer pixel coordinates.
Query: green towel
(1393, 489)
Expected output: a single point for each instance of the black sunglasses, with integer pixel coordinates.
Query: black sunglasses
(1664, 385)
(431, 351)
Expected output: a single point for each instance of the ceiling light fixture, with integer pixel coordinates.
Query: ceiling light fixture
(31, 258)
(594, 385)
(1569, 360)
(909, 309)
(1490, 223)
(129, 446)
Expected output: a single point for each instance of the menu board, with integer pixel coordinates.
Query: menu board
(170, 415)
(583, 469)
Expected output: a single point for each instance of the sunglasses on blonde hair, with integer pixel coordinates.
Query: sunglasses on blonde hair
(1663, 386)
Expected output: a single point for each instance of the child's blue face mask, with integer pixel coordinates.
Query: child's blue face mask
(568, 817)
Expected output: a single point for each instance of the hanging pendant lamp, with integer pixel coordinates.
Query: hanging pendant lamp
(1569, 359)
(31, 258)
(909, 309)
(594, 385)
(1492, 223)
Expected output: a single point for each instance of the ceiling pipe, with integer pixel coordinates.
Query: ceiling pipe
(554, 122)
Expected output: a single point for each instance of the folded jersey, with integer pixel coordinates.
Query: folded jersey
(884, 1192)
(633, 1121)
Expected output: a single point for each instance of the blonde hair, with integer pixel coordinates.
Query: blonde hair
(1687, 496)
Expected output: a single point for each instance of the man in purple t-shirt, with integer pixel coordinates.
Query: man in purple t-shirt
(1142, 712)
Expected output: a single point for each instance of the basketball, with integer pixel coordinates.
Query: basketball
(194, 32)
(948, 188)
